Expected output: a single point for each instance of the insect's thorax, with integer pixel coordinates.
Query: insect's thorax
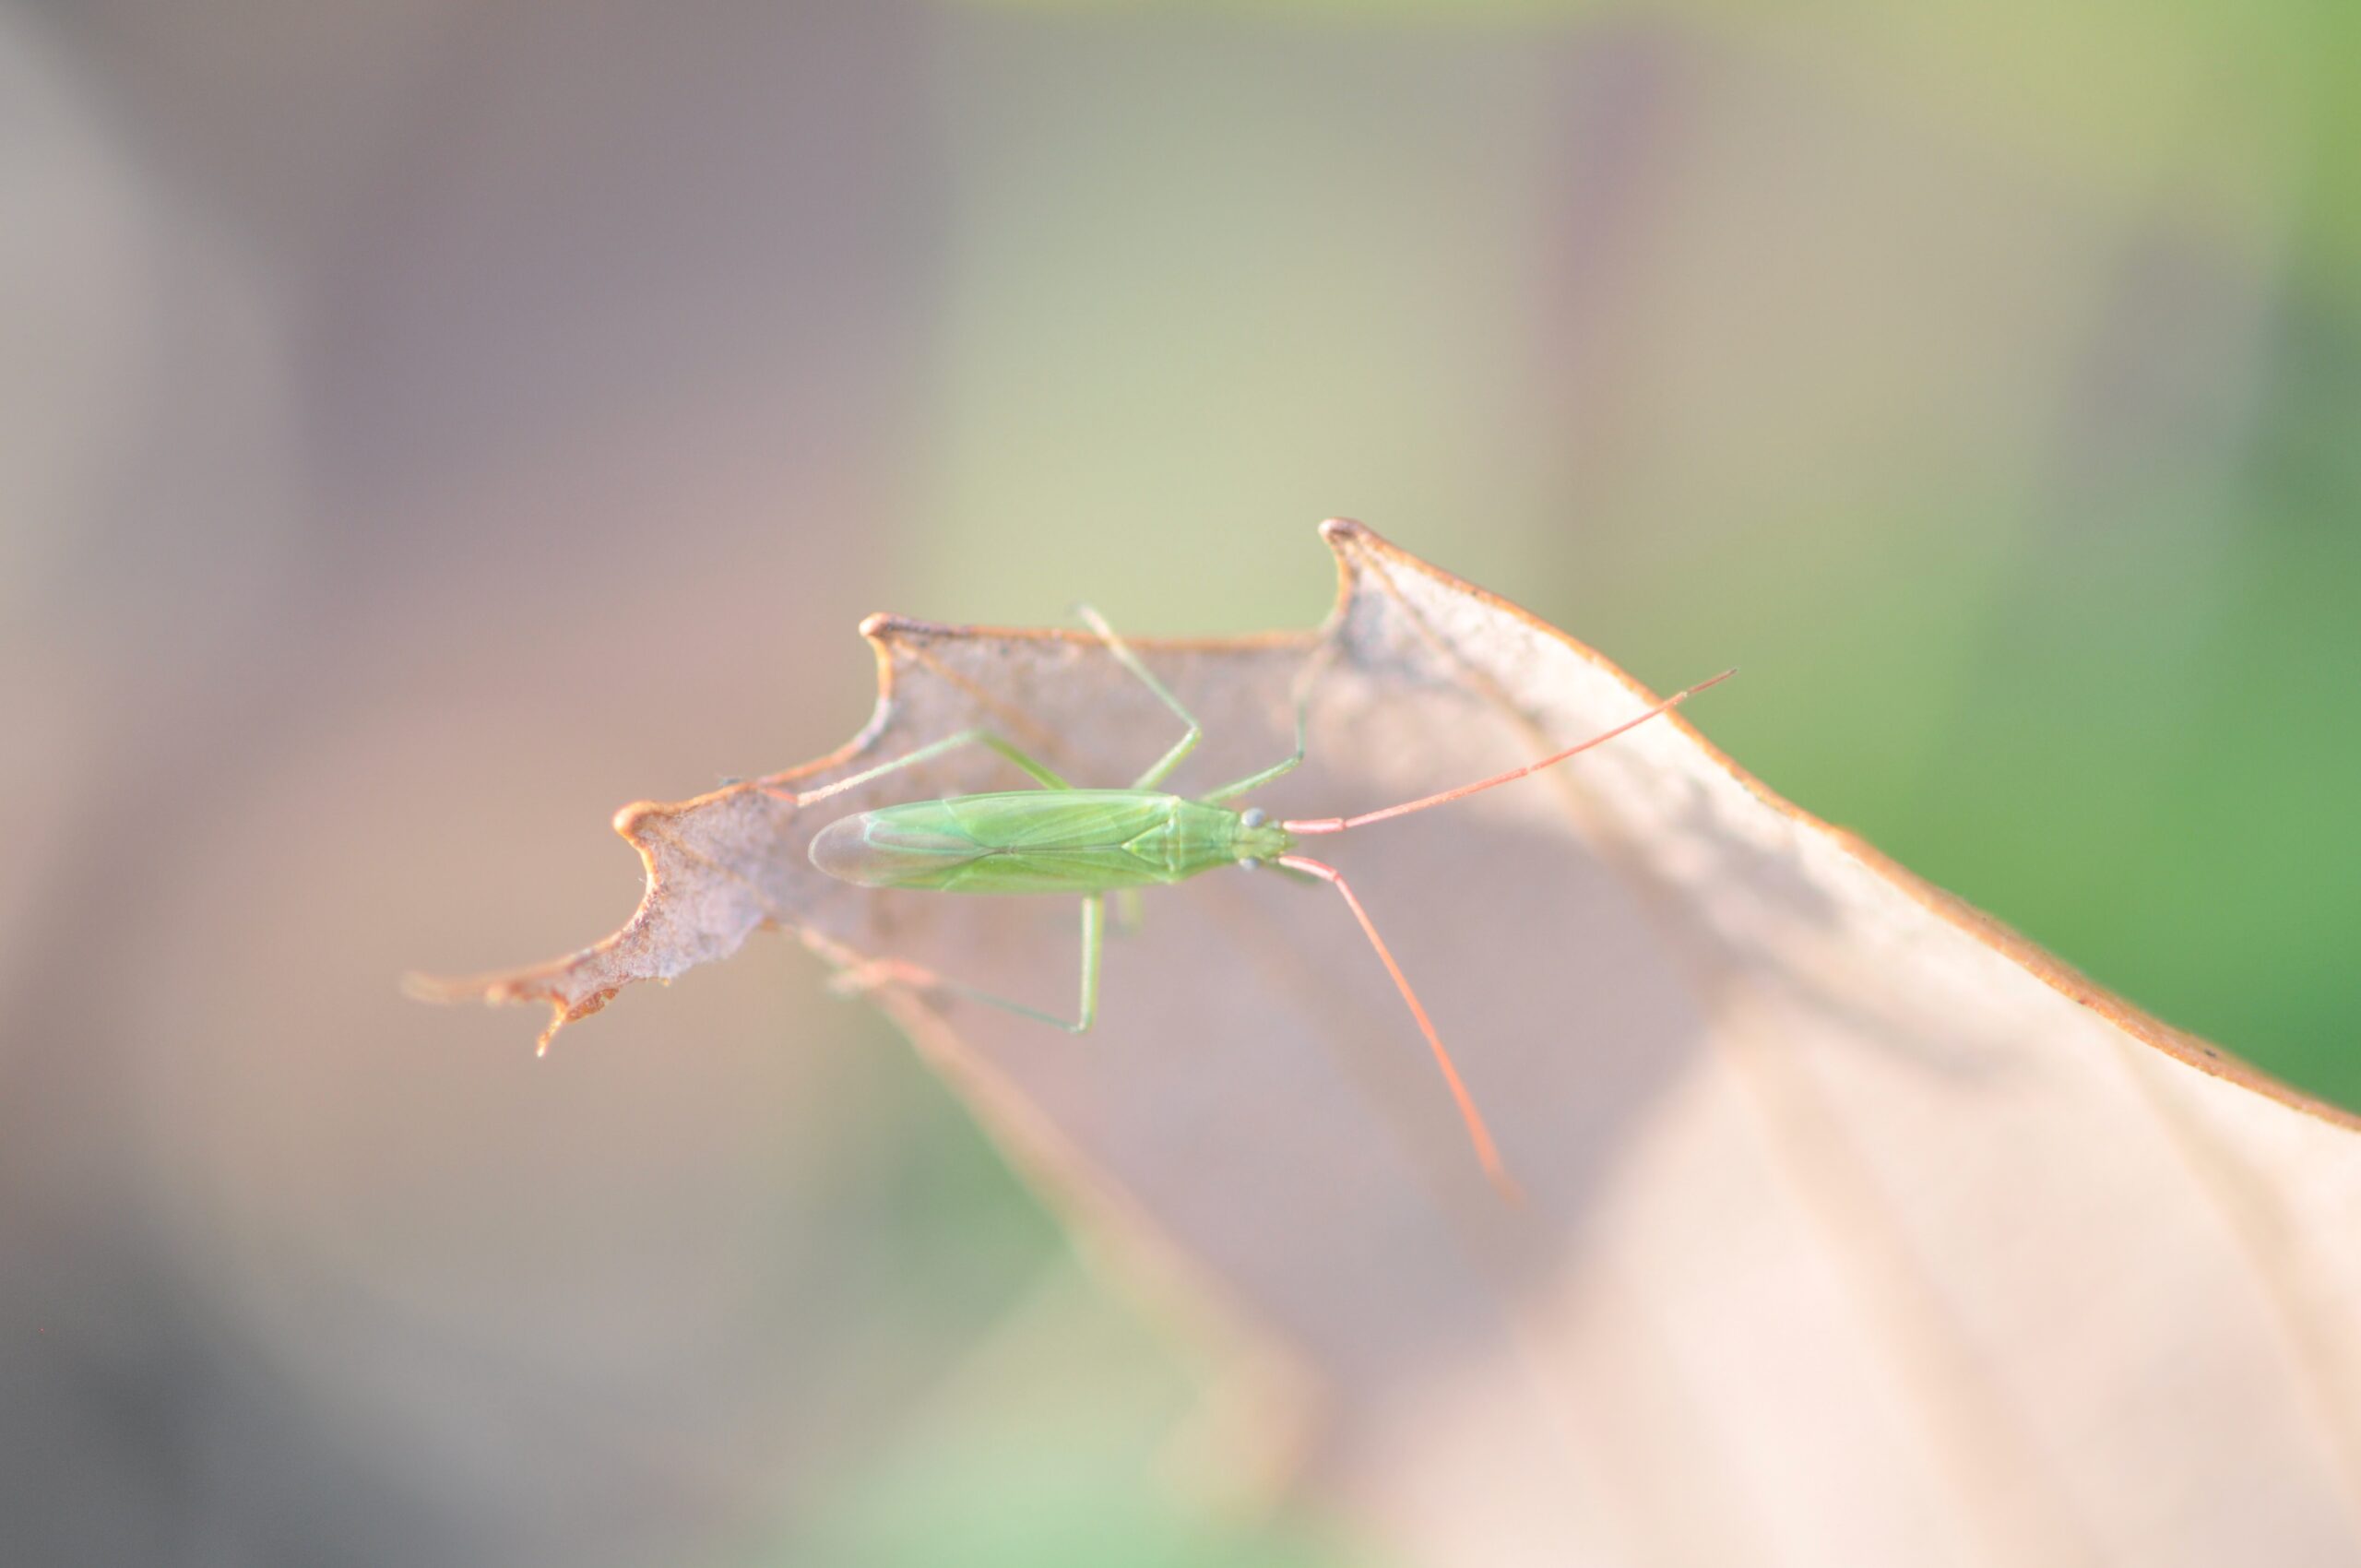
(1187, 836)
(1040, 841)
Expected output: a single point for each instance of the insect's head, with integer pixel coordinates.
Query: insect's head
(1259, 838)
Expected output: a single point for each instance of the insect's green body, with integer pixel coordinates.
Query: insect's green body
(1069, 841)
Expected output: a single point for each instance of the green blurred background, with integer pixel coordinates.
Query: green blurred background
(429, 424)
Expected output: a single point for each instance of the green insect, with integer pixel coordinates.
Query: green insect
(1059, 839)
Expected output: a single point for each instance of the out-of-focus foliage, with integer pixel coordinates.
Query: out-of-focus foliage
(2243, 108)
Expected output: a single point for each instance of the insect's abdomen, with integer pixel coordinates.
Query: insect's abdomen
(1069, 841)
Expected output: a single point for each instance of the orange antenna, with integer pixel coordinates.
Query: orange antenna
(1339, 824)
(1487, 1152)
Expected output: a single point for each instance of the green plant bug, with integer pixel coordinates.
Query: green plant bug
(1062, 839)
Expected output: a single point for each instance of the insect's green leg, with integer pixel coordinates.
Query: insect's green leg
(1130, 661)
(1129, 911)
(1037, 771)
(1286, 764)
(896, 971)
(1040, 773)
(1254, 781)
(1093, 927)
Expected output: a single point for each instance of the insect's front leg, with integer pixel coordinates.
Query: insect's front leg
(1162, 767)
(1311, 672)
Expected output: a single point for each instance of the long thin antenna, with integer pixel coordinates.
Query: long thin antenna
(1487, 1152)
(1339, 824)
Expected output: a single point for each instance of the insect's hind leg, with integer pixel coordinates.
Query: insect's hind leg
(1163, 765)
(1037, 771)
(862, 979)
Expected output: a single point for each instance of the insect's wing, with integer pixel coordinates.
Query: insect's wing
(919, 845)
(1037, 841)
(1044, 820)
(1062, 841)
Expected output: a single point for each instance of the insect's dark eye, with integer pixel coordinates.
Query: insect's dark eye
(1252, 817)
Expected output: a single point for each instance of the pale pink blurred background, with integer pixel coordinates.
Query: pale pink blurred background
(426, 426)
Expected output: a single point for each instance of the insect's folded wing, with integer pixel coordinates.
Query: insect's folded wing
(1056, 819)
(894, 849)
(1077, 872)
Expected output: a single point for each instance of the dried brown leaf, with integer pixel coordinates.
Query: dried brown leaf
(1859, 1230)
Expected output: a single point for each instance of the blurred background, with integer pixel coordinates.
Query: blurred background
(426, 425)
